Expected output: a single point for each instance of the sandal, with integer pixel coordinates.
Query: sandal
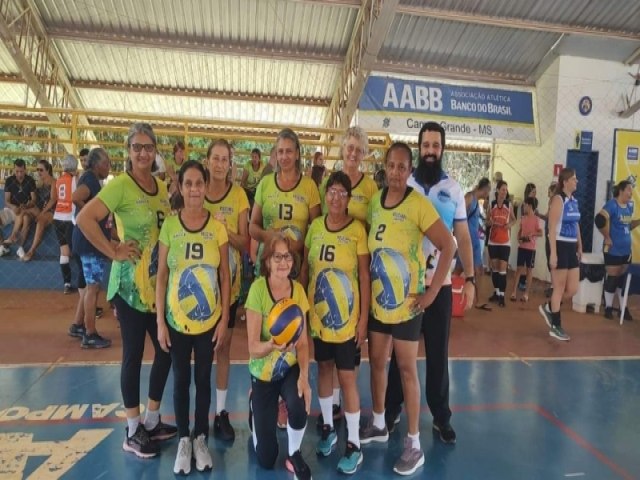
(513, 298)
(484, 306)
(524, 298)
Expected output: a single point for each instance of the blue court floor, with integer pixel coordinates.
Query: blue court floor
(515, 420)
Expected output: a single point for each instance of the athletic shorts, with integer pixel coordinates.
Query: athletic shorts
(344, 354)
(526, 258)
(64, 232)
(499, 252)
(93, 267)
(614, 260)
(409, 330)
(567, 253)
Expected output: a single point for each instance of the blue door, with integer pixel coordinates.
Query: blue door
(586, 166)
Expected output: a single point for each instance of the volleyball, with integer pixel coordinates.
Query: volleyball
(390, 278)
(285, 322)
(333, 298)
(198, 292)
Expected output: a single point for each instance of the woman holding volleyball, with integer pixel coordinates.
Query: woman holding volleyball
(287, 202)
(192, 302)
(399, 217)
(277, 370)
(337, 268)
(228, 203)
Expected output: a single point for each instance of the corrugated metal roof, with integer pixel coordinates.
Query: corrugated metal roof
(7, 65)
(202, 107)
(154, 67)
(427, 41)
(13, 93)
(304, 26)
(619, 15)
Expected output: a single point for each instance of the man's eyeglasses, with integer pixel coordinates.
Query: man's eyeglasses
(332, 192)
(148, 147)
(278, 257)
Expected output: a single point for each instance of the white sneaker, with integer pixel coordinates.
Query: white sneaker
(20, 252)
(201, 453)
(182, 466)
(4, 250)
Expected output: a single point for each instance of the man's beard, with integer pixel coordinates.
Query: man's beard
(429, 170)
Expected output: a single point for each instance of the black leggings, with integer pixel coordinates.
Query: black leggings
(264, 405)
(133, 328)
(436, 323)
(181, 347)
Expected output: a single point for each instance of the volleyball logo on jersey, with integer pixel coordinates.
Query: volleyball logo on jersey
(333, 298)
(233, 264)
(280, 367)
(390, 278)
(198, 292)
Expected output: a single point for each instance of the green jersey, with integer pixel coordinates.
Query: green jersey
(193, 303)
(139, 216)
(231, 206)
(398, 263)
(334, 293)
(276, 364)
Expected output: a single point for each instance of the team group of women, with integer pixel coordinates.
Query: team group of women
(177, 278)
(357, 271)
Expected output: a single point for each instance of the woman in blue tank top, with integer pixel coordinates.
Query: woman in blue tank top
(565, 250)
(615, 223)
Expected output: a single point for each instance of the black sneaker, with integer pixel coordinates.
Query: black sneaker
(77, 331)
(627, 315)
(501, 301)
(337, 416)
(140, 444)
(392, 418)
(162, 431)
(446, 433)
(94, 341)
(222, 429)
(67, 289)
(608, 313)
(296, 465)
(99, 312)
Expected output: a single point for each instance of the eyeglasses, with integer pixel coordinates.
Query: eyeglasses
(278, 257)
(40, 169)
(352, 148)
(332, 192)
(148, 147)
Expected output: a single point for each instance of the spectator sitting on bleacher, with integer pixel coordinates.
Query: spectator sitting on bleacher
(42, 213)
(19, 196)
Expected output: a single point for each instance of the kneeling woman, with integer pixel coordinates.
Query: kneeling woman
(192, 297)
(277, 370)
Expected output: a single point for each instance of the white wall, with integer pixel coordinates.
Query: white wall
(604, 82)
(522, 164)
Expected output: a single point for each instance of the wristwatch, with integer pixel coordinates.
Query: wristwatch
(471, 279)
